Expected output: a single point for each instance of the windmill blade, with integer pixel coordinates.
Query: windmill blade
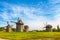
(7, 22)
(12, 25)
(13, 22)
(44, 24)
(18, 18)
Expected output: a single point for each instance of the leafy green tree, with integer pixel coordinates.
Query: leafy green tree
(2, 28)
(54, 30)
(13, 29)
(58, 29)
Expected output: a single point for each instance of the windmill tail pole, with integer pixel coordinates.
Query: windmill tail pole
(13, 22)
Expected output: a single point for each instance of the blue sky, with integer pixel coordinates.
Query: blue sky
(34, 13)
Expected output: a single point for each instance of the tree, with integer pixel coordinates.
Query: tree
(14, 29)
(2, 28)
(54, 30)
(58, 29)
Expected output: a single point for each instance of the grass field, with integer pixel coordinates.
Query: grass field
(29, 35)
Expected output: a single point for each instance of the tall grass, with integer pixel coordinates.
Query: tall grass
(29, 35)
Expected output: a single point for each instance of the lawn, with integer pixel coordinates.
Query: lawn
(29, 35)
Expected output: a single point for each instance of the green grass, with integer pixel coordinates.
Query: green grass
(29, 35)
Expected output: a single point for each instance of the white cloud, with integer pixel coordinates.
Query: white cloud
(37, 22)
(54, 1)
(5, 16)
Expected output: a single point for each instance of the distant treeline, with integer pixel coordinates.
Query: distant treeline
(14, 29)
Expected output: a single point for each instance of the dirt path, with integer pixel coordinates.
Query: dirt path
(35, 39)
(44, 39)
(3, 39)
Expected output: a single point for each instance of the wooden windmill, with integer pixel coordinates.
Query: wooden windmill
(48, 27)
(19, 25)
(8, 28)
(26, 28)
